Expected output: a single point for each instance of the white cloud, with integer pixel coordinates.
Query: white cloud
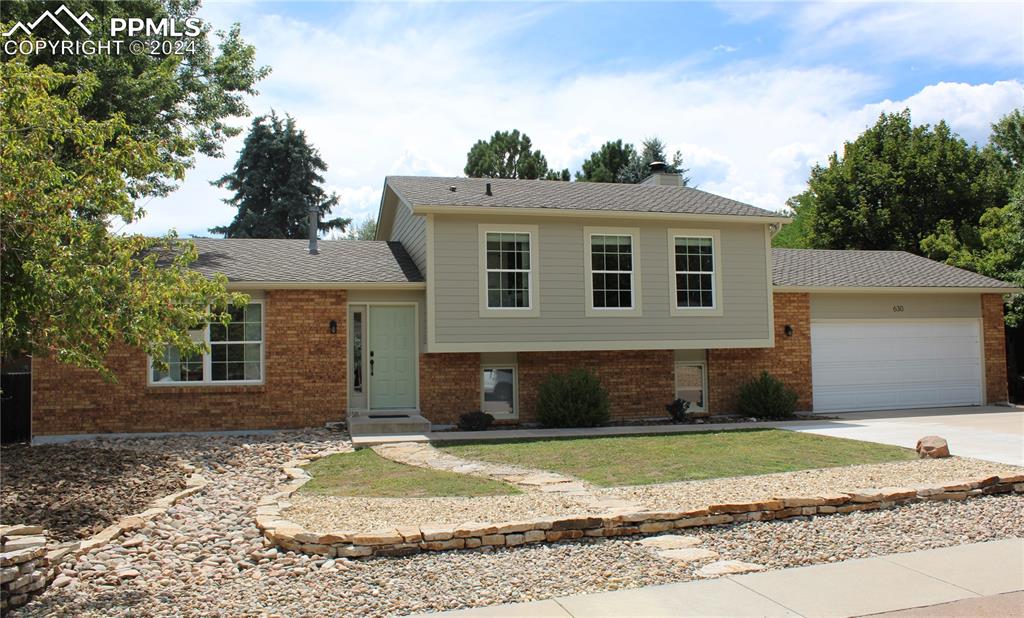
(379, 91)
(959, 33)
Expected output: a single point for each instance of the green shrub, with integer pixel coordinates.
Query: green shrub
(475, 421)
(767, 397)
(677, 410)
(575, 399)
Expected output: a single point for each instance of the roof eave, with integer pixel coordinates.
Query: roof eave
(327, 285)
(896, 290)
(429, 209)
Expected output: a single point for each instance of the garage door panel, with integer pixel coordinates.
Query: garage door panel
(902, 372)
(881, 365)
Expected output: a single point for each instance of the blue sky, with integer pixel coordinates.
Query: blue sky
(753, 94)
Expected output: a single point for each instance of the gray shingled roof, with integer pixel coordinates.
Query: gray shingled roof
(870, 269)
(555, 195)
(288, 261)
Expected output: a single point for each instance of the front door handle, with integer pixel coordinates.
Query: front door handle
(371, 366)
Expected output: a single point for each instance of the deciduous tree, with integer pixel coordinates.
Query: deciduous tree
(71, 286)
(181, 102)
(894, 183)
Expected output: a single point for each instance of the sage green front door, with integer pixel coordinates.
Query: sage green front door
(392, 357)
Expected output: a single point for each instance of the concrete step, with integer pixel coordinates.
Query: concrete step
(388, 423)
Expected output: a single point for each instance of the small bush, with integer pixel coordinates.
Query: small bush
(575, 399)
(767, 397)
(475, 421)
(677, 410)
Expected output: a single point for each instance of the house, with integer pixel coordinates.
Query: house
(478, 289)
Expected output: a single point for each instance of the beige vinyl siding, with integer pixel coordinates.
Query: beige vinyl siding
(411, 231)
(894, 306)
(562, 287)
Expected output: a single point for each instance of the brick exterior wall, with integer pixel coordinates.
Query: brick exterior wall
(304, 382)
(789, 360)
(639, 382)
(449, 385)
(994, 336)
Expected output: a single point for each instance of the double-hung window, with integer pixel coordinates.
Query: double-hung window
(612, 271)
(695, 272)
(236, 352)
(509, 271)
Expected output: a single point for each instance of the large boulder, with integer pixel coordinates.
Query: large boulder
(932, 447)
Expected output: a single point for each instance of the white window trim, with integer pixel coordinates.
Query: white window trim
(704, 376)
(208, 359)
(533, 274)
(716, 254)
(515, 389)
(614, 312)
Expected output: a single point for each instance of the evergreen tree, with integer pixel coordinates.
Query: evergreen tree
(508, 154)
(605, 164)
(276, 181)
(639, 167)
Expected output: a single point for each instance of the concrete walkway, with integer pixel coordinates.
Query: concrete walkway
(992, 433)
(852, 588)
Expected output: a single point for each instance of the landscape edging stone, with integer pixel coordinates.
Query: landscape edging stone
(401, 541)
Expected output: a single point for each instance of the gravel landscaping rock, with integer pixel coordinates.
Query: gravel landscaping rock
(76, 491)
(324, 513)
(695, 494)
(205, 556)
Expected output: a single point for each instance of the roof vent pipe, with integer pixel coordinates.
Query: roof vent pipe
(488, 190)
(313, 220)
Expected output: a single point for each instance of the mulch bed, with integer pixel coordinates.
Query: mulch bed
(77, 491)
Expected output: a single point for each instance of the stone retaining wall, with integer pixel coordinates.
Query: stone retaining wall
(24, 566)
(408, 540)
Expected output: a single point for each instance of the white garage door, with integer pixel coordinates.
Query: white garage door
(898, 364)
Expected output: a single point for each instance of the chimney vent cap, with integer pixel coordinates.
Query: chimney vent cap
(658, 167)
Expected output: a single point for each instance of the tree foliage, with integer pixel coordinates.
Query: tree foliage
(794, 234)
(71, 287)
(894, 183)
(367, 230)
(507, 154)
(277, 180)
(638, 168)
(605, 164)
(994, 244)
(180, 102)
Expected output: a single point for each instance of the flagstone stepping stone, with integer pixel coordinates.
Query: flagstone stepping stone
(670, 541)
(728, 567)
(688, 554)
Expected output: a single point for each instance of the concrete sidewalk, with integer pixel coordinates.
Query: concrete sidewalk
(852, 588)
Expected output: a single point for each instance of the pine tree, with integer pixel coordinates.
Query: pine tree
(276, 180)
(639, 167)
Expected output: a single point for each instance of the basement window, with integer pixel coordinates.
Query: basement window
(235, 357)
(498, 391)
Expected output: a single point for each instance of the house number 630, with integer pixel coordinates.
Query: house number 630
(897, 308)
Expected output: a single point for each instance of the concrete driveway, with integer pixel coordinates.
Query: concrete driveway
(993, 433)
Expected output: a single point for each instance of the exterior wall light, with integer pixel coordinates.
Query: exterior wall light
(334, 327)
(788, 330)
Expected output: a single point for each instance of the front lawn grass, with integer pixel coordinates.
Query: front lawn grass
(366, 474)
(643, 460)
